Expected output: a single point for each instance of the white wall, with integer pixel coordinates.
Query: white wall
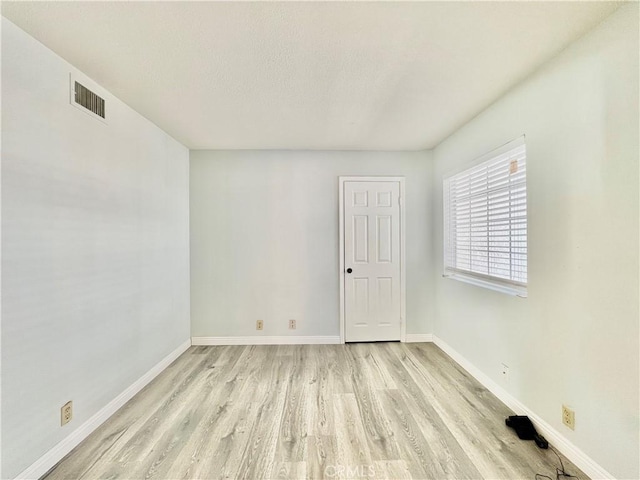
(94, 250)
(264, 239)
(574, 340)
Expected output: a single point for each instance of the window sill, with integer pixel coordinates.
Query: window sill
(513, 290)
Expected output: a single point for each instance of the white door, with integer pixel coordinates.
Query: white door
(372, 261)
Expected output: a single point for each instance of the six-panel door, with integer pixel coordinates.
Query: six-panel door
(372, 261)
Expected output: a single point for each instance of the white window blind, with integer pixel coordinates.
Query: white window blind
(485, 212)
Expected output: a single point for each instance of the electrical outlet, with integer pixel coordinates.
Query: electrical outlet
(505, 373)
(292, 324)
(568, 417)
(66, 413)
(259, 324)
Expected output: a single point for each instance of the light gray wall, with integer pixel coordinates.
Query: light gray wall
(95, 251)
(574, 340)
(264, 238)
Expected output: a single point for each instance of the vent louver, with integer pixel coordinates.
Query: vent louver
(89, 100)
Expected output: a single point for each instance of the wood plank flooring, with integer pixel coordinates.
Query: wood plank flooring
(371, 410)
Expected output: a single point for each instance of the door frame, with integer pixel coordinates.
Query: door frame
(381, 178)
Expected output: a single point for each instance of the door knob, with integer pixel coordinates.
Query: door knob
(349, 270)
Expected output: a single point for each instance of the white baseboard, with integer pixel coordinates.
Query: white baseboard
(418, 337)
(555, 438)
(292, 340)
(271, 340)
(53, 456)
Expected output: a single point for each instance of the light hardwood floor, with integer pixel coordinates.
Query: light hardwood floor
(373, 410)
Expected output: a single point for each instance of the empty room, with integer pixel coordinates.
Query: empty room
(364, 240)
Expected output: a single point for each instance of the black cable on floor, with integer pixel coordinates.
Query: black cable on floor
(560, 472)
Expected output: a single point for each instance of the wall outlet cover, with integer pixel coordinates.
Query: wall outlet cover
(66, 413)
(568, 417)
(504, 371)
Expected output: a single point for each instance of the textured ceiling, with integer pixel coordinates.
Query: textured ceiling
(307, 75)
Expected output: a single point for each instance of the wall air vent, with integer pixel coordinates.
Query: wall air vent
(86, 99)
(89, 100)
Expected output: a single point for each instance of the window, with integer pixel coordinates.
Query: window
(485, 221)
